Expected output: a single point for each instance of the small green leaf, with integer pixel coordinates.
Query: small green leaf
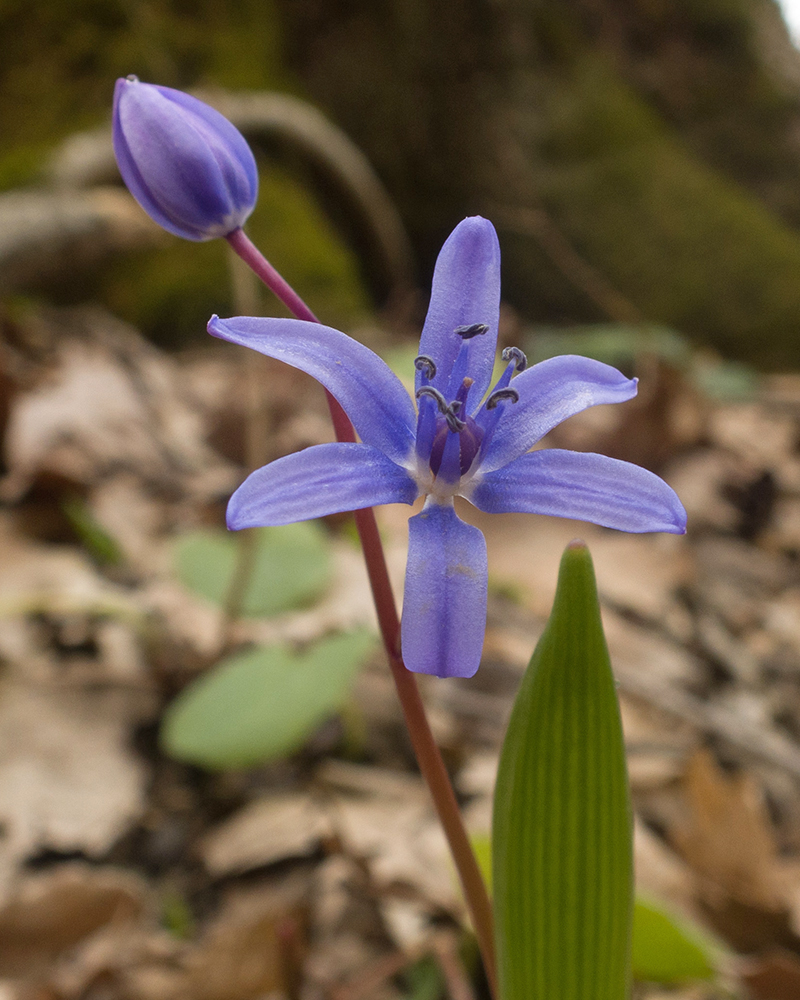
(97, 541)
(482, 849)
(562, 835)
(176, 916)
(290, 568)
(262, 705)
(425, 980)
(668, 950)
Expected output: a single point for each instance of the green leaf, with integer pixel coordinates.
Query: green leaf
(668, 950)
(262, 705)
(97, 541)
(482, 849)
(562, 833)
(290, 568)
(425, 980)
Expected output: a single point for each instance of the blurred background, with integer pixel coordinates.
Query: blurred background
(653, 143)
(206, 792)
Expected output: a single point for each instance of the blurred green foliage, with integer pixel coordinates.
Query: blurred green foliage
(667, 949)
(621, 344)
(263, 704)
(686, 243)
(290, 566)
(59, 73)
(171, 292)
(659, 136)
(58, 77)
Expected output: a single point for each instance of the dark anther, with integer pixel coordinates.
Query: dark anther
(448, 412)
(428, 390)
(425, 364)
(473, 330)
(518, 356)
(500, 394)
(453, 422)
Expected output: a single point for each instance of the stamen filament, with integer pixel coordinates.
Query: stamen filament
(428, 390)
(516, 355)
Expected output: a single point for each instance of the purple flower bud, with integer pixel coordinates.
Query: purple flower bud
(186, 165)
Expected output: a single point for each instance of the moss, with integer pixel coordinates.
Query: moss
(669, 164)
(59, 76)
(306, 249)
(59, 73)
(593, 113)
(690, 247)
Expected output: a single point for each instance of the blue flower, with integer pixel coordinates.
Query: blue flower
(186, 165)
(458, 441)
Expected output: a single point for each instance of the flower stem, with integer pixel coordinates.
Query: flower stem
(257, 262)
(427, 752)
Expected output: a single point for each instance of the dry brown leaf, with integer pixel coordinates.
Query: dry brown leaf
(774, 976)
(660, 873)
(643, 652)
(697, 478)
(395, 830)
(108, 400)
(54, 911)
(265, 831)
(68, 779)
(243, 955)
(49, 579)
(758, 435)
(728, 838)
(349, 938)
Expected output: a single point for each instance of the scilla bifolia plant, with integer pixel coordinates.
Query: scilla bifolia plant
(562, 838)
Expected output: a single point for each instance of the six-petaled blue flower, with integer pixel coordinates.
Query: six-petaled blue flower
(186, 165)
(460, 440)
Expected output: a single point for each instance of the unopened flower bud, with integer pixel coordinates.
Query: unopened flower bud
(186, 165)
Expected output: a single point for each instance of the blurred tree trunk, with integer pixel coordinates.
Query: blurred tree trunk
(640, 158)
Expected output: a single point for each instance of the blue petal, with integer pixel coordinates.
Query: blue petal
(466, 290)
(444, 607)
(583, 486)
(371, 394)
(323, 479)
(549, 393)
(186, 165)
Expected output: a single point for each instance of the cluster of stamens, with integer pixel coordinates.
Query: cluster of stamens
(448, 410)
(452, 417)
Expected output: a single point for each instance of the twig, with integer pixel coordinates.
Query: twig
(584, 276)
(371, 977)
(445, 951)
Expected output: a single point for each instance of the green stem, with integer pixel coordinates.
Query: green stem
(245, 299)
(428, 756)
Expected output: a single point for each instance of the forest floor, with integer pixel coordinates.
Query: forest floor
(127, 874)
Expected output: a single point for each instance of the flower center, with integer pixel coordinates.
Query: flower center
(452, 457)
(451, 442)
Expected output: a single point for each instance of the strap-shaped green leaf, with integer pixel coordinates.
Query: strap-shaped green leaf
(562, 839)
